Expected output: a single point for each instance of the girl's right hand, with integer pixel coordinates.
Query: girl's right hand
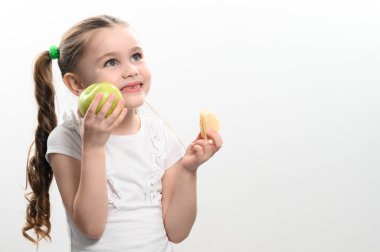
(96, 127)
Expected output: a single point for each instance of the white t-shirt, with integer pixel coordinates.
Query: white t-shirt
(135, 165)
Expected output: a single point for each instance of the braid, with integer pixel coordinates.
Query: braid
(39, 172)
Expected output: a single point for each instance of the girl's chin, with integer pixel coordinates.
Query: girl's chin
(134, 101)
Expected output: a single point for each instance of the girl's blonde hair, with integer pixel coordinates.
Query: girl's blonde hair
(39, 174)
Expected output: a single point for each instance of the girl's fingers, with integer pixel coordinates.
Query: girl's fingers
(106, 106)
(201, 142)
(215, 137)
(116, 112)
(198, 150)
(94, 104)
(119, 118)
(209, 146)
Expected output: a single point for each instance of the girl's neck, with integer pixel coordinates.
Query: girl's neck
(130, 125)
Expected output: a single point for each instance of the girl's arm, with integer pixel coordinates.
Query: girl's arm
(83, 189)
(82, 184)
(179, 201)
(179, 197)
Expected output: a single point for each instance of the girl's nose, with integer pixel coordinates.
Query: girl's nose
(129, 71)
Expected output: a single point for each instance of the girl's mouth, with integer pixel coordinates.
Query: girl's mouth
(132, 87)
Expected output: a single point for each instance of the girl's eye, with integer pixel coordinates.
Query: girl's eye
(111, 63)
(136, 57)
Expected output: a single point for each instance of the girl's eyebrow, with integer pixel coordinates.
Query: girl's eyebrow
(136, 48)
(109, 54)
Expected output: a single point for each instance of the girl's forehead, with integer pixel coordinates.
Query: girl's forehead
(111, 39)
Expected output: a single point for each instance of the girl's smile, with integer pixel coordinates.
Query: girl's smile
(132, 87)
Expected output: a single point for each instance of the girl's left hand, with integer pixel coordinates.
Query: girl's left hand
(201, 150)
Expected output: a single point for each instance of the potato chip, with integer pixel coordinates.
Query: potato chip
(208, 120)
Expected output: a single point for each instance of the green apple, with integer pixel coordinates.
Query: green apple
(87, 95)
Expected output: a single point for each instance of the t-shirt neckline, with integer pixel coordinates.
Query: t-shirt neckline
(129, 137)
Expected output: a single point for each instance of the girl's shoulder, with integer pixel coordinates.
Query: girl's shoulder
(67, 132)
(65, 138)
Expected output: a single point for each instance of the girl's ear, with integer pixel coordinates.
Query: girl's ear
(73, 82)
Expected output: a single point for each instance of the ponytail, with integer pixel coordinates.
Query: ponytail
(39, 173)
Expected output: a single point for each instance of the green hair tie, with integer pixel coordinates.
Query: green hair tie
(54, 52)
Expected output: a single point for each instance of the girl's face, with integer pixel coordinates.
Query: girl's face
(114, 55)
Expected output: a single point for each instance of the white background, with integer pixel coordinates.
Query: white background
(296, 86)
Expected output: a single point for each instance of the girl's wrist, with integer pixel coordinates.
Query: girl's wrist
(189, 170)
(92, 148)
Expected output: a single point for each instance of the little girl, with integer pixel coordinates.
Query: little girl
(126, 182)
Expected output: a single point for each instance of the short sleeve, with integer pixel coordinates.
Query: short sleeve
(65, 139)
(174, 148)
